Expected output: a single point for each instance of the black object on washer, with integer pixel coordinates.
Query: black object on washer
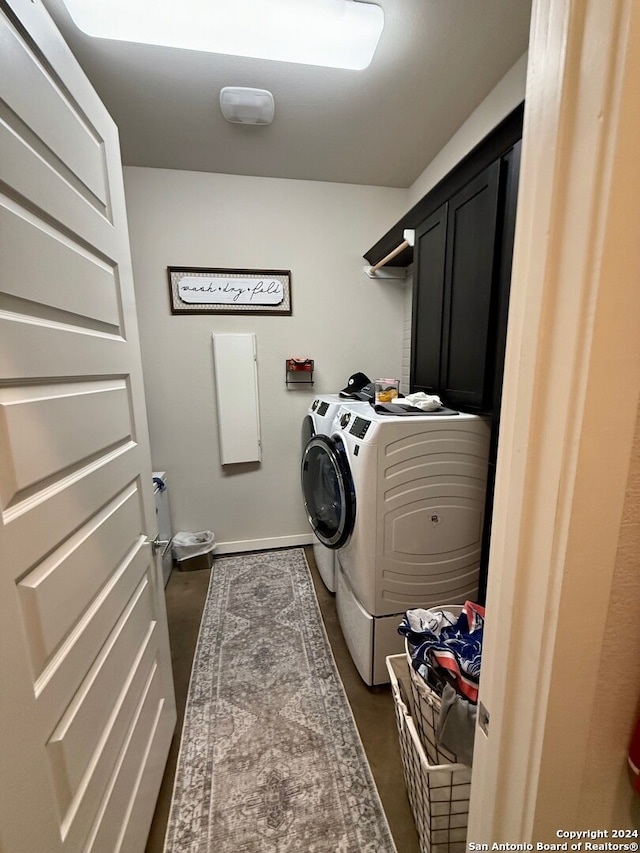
(328, 490)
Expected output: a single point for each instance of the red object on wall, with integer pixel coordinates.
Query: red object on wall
(294, 364)
(634, 755)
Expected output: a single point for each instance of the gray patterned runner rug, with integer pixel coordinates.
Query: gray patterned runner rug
(270, 758)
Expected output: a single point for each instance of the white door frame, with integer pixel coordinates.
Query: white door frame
(570, 403)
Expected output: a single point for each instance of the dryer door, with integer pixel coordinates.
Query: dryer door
(327, 487)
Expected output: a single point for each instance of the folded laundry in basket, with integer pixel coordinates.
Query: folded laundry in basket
(455, 648)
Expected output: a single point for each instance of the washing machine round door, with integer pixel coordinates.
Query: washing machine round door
(327, 487)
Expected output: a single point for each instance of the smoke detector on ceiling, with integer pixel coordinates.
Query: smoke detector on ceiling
(242, 105)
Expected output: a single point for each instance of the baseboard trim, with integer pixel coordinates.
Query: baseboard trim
(265, 544)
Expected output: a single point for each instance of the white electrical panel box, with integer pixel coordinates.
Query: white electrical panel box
(236, 378)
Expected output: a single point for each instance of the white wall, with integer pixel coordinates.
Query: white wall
(405, 376)
(341, 318)
(498, 104)
(607, 791)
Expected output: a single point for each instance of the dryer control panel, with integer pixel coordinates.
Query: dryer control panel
(359, 427)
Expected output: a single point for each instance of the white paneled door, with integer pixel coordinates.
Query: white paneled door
(87, 709)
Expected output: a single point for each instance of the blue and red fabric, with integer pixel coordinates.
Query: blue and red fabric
(455, 648)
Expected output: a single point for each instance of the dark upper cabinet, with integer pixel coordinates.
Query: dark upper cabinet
(471, 235)
(463, 247)
(430, 242)
(458, 273)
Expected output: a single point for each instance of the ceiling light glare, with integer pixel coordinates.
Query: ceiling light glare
(329, 33)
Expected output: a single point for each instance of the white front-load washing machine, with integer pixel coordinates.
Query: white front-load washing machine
(319, 421)
(411, 492)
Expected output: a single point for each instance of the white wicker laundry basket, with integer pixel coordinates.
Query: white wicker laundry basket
(425, 707)
(438, 793)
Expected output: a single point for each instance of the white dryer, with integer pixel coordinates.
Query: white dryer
(319, 421)
(412, 489)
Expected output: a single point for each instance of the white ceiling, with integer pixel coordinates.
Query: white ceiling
(436, 61)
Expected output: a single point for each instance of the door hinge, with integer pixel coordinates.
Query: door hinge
(483, 718)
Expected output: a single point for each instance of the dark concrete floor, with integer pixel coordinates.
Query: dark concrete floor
(372, 706)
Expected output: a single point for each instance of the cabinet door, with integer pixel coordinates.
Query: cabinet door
(509, 187)
(509, 178)
(426, 333)
(469, 274)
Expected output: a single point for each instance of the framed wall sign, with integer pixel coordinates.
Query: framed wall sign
(193, 290)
